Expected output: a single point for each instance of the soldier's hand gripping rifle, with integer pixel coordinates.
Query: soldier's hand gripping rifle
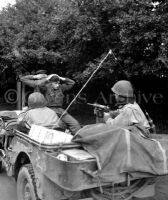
(99, 111)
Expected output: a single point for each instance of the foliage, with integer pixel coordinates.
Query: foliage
(71, 37)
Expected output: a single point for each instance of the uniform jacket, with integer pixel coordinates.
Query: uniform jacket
(55, 96)
(39, 116)
(129, 114)
(38, 113)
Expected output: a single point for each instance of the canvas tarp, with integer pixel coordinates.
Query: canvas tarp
(122, 150)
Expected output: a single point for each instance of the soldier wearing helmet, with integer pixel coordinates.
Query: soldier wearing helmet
(38, 113)
(129, 112)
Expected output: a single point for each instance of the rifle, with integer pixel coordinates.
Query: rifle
(152, 128)
(99, 111)
(100, 107)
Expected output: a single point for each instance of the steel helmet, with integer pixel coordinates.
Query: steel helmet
(123, 88)
(36, 100)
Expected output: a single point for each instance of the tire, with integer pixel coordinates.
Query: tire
(26, 187)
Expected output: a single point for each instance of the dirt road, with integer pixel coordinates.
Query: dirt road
(7, 188)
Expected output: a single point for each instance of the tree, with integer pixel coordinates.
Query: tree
(71, 37)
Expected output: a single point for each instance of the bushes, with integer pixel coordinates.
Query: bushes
(70, 37)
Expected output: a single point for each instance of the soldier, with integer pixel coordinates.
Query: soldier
(53, 91)
(129, 112)
(37, 113)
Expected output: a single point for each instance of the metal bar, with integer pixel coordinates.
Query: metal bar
(19, 95)
(23, 96)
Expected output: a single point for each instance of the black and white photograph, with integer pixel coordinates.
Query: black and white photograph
(83, 100)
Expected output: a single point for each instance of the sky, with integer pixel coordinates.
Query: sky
(4, 3)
